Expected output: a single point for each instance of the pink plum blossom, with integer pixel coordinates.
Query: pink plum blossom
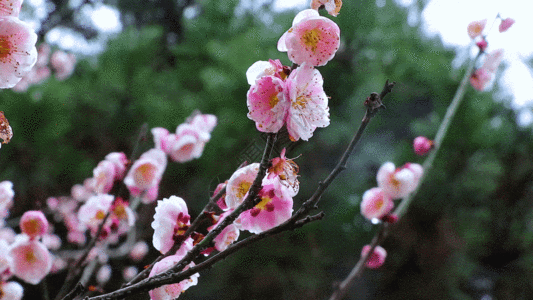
(146, 173)
(308, 103)
(11, 290)
(506, 24)
(422, 145)
(10, 8)
(17, 50)
(63, 64)
(267, 103)
(204, 122)
(286, 170)
(376, 204)
(119, 161)
(34, 224)
(31, 260)
(274, 208)
(104, 274)
(171, 291)
(171, 220)
(221, 202)
(398, 183)
(188, 143)
(266, 68)
(493, 60)
(332, 6)
(6, 193)
(312, 39)
(480, 78)
(129, 273)
(239, 184)
(476, 28)
(139, 251)
(377, 258)
(104, 175)
(161, 138)
(227, 236)
(92, 213)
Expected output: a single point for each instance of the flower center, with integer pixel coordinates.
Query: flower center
(30, 257)
(311, 38)
(243, 189)
(5, 48)
(273, 100)
(144, 175)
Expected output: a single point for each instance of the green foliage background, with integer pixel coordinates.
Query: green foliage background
(468, 233)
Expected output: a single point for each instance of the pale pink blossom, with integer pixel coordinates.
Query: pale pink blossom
(31, 260)
(286, 170)
(267, 103)
(506, 24)
(122, 218)
(51, 241)
(129, 273)
(204, 122)
(493, 60)
(171, 291)
(221, 202)
(139, 251)
(11, 290)
(265, 68)
(227, 236)
(104, 177)
(63, 64)
(398, 183)
(43, 55)
(480, 78)
(146, 172)
(17, 50)
(119, 161)
(377, 258)
(422, 145)
(92, 213)
(7, 234)
(476, 28)
(332, 6)
(161, 138)
(6, 193)
(239, 184)
(33, 223)
(376, 204)
(309, 103)
(274, 208)
(104, 274)
(5, 260)
(312, 39)
(171, 220)
(10, 8)
(188, 143)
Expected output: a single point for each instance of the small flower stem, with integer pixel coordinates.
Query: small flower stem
(439, 137)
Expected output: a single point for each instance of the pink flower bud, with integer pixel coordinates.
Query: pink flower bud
(482, 45)
(506, 24)
(33, 223)
(480, 78)
(422, 145)
(377, 258)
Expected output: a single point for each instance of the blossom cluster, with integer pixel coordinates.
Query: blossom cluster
(483, 75)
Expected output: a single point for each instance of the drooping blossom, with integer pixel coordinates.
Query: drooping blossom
(274, 208)
(31, 260)
(377, 258)
(422, 145)
(171, 220)
(398, 183)
(146, 173)
(308, 103)
(312, 39)
(286, 170)
(10, 8)
(506, 24)
(34, 224)
(17, 50)
(63, 64)
(171, 291)
(475, 28)
(332, 6)
(11, 290)
(375, 204)
(239, 184)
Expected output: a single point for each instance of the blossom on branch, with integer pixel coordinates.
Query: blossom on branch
(239, 184)
(171, 291)
(312, 39)
(398, 183)
(506, 24)
(377, 258)
(145, 174)
(171, 220)
(31, 260)
(17, 50)
(34, 224)
(476, 28)
(422, 145)
(376, 204)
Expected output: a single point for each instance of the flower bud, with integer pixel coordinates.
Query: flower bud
(422, 145)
